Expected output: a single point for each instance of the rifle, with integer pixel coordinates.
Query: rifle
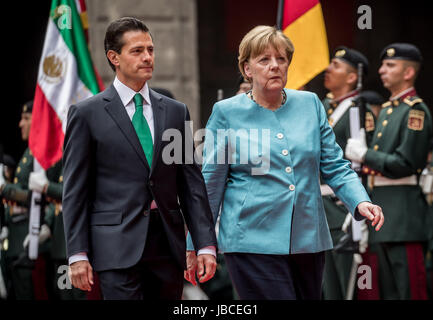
(35, 217)
(350, 241)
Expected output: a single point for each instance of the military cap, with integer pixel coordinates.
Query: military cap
(9, 161)
(27, 107)
(372, 97)
(402, 51)
(352, 57)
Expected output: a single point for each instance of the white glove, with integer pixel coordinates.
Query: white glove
(363, 243)
(2, 178)
(4, 233)
(356, 148)
(44, 234)
(38, 181)
(347, 222)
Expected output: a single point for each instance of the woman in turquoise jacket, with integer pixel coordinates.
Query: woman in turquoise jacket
(263, 154)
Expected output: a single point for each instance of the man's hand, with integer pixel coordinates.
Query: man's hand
(2, 179)
(4, 233)
(204, 265)
(373, 213)
(81, 275)
(38, 181)
(356, 148)
(191, 267)
(44, 234)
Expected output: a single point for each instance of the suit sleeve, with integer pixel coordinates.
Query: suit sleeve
(77, 160)
(335, 170)
(409, 156)
(193, 197)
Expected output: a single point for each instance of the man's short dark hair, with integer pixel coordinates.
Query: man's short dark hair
(114, 34)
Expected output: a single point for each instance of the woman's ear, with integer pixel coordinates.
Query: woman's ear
(247, 70)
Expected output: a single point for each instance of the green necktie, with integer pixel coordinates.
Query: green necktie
(142, 128)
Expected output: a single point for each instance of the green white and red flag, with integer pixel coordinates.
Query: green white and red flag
(66, 76)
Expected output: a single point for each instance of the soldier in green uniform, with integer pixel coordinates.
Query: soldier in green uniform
(18, 197)
(426, 182)
(394, 161)
(52, 189)
(341, 78)
(374, 101)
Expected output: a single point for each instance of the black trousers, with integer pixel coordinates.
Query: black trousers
(155, 276)
(276, 277)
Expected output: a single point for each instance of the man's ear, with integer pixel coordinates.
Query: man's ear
(113, 56)
(351, 79)
(409, 72)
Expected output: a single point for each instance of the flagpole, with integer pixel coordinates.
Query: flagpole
(280, 14)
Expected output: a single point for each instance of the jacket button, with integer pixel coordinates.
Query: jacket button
(285, 152)
(288, 169)
(291, 187)
(280, 135)
(146, 213)
(151, 183)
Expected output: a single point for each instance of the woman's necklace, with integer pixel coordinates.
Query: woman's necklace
(250, 95)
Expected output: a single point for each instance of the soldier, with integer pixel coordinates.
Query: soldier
(52, 189)
(394, 162)
(341, 79)
(374, 100)
(18, 197)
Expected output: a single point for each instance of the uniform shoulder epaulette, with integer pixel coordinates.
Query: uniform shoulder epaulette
(411, 101)
(386, 104)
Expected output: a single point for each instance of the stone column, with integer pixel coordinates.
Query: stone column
(173, 25)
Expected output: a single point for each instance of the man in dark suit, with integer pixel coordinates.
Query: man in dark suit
(123, 204)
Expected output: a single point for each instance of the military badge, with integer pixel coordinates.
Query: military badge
(390, 52)
(369, 122)
(416, 120)
(340, 53)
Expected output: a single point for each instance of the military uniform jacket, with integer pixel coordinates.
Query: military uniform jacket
(54, 219)
(336, 214)
(399, 149)
(18, 194)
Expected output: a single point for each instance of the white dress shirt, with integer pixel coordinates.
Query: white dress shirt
(126, 95)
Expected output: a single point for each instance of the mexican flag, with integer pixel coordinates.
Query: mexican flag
(66, 76)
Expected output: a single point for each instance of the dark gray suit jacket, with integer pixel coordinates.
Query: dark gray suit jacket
(108, 185)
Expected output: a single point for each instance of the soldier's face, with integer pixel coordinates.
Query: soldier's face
(135, 61)
(25, 123)
(392, 73)
(337, 75)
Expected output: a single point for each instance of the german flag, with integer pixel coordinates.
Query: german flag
(302, 21)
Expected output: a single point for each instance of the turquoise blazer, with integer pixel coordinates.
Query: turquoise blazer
(262, 167)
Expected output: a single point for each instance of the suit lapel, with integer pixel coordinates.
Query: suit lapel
(159, 113)
(117, 111)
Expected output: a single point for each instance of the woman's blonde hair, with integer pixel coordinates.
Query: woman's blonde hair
(257, 40)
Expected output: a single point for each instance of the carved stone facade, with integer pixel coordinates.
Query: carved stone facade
(173, 24)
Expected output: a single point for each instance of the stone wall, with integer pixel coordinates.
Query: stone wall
(173, 24)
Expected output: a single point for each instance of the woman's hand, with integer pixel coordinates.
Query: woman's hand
(373, 213)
